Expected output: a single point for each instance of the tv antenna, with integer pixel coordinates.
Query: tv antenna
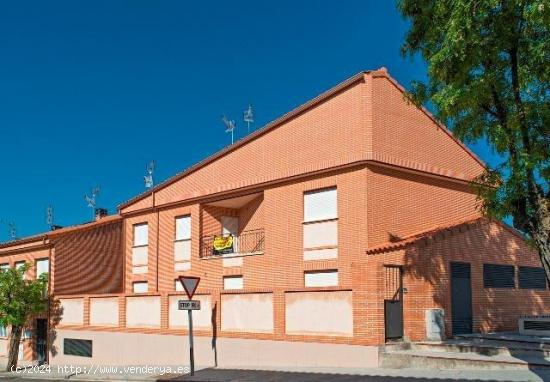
(148, 179)
(12, 229)
(248, 117)
(91, 201)
(229, 126)
(49, 216)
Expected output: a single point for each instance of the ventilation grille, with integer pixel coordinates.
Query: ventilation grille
(81, 348)
(499, 276)
(532, 278)
(536, 325)
(460, 270)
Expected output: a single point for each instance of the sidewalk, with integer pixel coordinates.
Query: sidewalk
(301, 374)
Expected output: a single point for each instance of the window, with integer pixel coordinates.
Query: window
(320, 230)
(499, 276)
(141, 234)
(3, 331)
(20, 264)
(81, 348)
(26, 334)
(320, 205)
(532, 278)
(140, 287)
(321, 278)
(140, 250)
(42, 266)
(4, 267)
(232, 282)
(182, 244)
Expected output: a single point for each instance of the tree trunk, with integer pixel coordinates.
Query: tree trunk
(13, 354)
(541, 233)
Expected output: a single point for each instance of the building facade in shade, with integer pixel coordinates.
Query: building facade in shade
(346, 223)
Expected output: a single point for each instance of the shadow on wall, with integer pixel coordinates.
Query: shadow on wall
(56, 312)
(215, 333)
(493, 309)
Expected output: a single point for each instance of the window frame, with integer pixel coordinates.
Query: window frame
(134, 226)
(322, 271)
(227, 277)
(140, 282)
(314, 191)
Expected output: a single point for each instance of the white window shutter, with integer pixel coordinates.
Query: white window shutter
(141, 234)
(183, 228)
(233, 282)
(321, 279)
(140, 287)
(320, 205)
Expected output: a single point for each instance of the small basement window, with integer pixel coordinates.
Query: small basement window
(499, 276)
(233, 282)
(140, 287)
(321, 278)
(532, 278)
(77, 347)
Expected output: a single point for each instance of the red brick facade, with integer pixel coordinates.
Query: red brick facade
(398, 175)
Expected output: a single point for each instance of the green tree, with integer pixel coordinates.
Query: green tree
(489, 78)
(20, 300)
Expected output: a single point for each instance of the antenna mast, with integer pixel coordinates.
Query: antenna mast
(49, 216)
(248, 117)
(91, 201)
(148, 179)
(12, 229)
(229, 126)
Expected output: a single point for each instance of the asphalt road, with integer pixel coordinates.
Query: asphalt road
(227, 375)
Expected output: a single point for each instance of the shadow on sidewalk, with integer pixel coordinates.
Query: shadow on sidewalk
(240, 375)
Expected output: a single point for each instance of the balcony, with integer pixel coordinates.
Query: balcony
(246, 243)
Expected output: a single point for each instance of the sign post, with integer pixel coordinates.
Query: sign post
(190, 284)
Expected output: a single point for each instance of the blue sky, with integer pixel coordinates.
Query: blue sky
(90, 91)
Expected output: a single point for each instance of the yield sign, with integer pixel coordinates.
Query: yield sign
(190, 284)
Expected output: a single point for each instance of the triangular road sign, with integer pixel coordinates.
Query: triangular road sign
(190, 284)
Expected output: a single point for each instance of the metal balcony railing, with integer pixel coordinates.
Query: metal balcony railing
(247, 242)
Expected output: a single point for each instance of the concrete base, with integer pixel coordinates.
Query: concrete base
(152, 349)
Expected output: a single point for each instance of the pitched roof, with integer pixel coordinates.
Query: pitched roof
(426, 234)
(61, 231)
(270, 126)
(381, 72)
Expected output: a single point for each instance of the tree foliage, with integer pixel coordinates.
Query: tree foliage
(489, 78)
(20, 300)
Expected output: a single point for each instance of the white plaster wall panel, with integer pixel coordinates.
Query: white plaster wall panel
(139, 255)
(72, 311)
(104, 311)
(319, 313)
(321, 254)
(247, 312)
(322, 234)
(182, 250)
(143, 312)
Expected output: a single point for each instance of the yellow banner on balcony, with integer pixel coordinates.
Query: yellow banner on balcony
(223, 244)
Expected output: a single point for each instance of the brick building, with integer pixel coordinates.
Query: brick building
(339, 226)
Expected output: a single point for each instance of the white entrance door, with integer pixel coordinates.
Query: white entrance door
(230, 226)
